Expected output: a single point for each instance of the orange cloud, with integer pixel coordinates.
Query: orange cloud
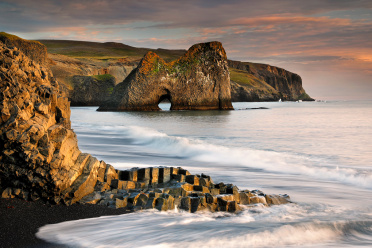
(208, 31)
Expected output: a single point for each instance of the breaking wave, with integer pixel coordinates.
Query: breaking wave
(256, 227)
(271, 161)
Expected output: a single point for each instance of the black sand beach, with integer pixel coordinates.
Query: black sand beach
(20, 220)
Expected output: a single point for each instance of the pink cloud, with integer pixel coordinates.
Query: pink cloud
(208, 31)
(277, 20)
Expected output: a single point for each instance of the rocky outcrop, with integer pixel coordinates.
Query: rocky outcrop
(39, 155)
(285, 85)
(32, 49)
(249, 81)
(38, 148)
(91, 90)
(165, 188)
(199, 80)
(40, 158)
(86, 82)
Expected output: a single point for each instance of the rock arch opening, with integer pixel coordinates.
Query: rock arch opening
(165, 100)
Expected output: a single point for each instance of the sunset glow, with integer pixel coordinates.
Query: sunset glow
(316, 39)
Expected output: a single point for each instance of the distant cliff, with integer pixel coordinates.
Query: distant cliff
(249, 81)
(91, 90)
(261, 82)
(198, 80)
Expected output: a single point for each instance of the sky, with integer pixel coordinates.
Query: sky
(327, 42)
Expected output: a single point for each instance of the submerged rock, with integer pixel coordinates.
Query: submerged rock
(199, 80)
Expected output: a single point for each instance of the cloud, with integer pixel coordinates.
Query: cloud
(317, 35)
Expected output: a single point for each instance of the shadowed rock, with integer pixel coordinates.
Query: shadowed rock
(91, 90)
(199, 80)
(271, 83)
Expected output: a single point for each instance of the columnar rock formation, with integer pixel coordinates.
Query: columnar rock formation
(165, 188)
(198, 80)
(40, 158)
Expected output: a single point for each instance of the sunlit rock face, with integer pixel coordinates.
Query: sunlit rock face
(40, 158)
(34, 50)
(199, 80)
(39, 155)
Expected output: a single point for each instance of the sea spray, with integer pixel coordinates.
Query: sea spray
(197, 150)
(255, 227)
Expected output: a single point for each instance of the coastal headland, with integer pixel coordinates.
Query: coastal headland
(40, 160)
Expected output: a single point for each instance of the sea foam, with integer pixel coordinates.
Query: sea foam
(254, 227)
(220, 155)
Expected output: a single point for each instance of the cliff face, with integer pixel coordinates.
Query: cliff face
(80, 78)
(39, 155)
(244, 93)
(285, 85)
(198, 80)
(40, 158)
(32, 49)
(69, 59)
(91, 90)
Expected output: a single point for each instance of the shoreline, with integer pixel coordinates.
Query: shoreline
(20, 220)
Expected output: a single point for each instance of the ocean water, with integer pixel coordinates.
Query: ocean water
(319, 153)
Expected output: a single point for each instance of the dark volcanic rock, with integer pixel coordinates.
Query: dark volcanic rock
(199, 80)
(91, 90)
(243, 93)
(286, 85)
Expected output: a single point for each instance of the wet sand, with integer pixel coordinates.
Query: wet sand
(20, 220)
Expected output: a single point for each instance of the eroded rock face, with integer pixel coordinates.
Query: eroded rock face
(39, 155)
(91, 90)
(32, 49)
(37, 145)
(286, 85)
(199, 80)
(40, 158)
(242, 93)
(86, 82)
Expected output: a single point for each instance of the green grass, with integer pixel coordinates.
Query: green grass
(15, 38)
(245, 78)
(103, 77)
(104, 51)
(9, 36)
(248, 80)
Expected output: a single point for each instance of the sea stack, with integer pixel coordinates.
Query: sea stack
(40, 158)
(199, 80)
